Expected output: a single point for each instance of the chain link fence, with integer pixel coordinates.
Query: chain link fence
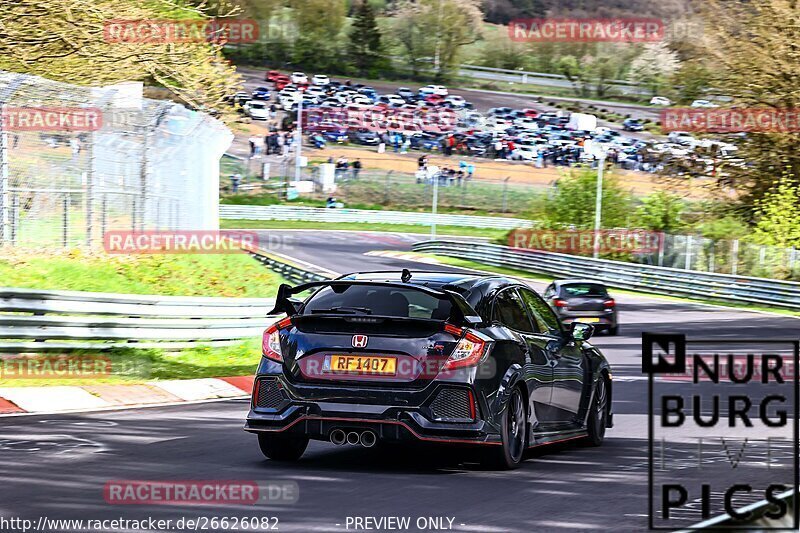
(76, 162)
(691, 252)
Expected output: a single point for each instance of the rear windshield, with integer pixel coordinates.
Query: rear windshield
(584, 289)
(378, 301)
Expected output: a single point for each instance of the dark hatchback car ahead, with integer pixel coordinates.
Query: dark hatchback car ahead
(444, 358)
(586, 301)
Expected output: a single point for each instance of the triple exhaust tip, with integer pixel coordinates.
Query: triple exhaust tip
(367, 439)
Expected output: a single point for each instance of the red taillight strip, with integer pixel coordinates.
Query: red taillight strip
(256, 389)
(453, 330)
(472, 413)
(285, 323)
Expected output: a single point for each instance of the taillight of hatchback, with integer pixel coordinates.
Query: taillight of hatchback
(469, 350)
(271, 341)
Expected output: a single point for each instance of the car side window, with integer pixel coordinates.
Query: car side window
(510, 311)
(545, 318)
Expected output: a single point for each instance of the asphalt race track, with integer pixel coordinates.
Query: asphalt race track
(57, 465)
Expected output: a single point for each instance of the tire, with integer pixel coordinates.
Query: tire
(282, 447)
(513, 434)
(598, 414)
(613, 331)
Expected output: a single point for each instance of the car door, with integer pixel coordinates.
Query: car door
(509, 310)
(566, 358)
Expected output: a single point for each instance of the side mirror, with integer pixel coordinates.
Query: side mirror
(581, 331)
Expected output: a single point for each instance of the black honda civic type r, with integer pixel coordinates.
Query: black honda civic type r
(444, 358)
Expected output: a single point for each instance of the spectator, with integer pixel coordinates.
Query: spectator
(235, 180)
(251, 140)
(470, 170)
(330, 203)
(356, 168)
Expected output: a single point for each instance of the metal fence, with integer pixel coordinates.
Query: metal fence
(690, 252)
(35, 320)
(654, 279)
(318, 214)
(144, 164)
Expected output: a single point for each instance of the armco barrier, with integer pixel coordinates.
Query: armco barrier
(659, 280)
(318, 214)
(30, 320)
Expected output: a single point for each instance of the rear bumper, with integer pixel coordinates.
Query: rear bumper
(598, 320)
(408, 418)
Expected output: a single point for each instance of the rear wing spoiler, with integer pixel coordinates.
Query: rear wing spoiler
(461, 312)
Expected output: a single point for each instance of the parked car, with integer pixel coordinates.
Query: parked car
(281, 82)
(456, 101)
(369, 92)
(704, 104)
(271, 75)
(585, 301)
(364, 136)
(298, 78)
(487, 365)
(632, 124)
(257, 110)
(406, 94)
(320, 79)
(660, 100)
(681, 137)
(261, 93)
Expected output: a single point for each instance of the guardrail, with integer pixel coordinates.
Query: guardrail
(33, 320)
(318, 214)
(659, 280)
(114, 320)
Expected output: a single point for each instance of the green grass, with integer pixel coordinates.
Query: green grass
(232, 275)
(396, 228)
(130, 366)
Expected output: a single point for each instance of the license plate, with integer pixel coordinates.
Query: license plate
(587, 320)
(362, 364)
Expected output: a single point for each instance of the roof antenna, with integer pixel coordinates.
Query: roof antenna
(405, 277)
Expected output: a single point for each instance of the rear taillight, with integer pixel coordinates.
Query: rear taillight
(271, 341)
(609, 303)
(560, 303)
(468, 352)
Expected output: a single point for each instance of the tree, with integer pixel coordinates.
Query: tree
(753, 47)
(661, 211)
(778, 215)
(654, 67)
(365, 38)
(66, 40)
(319, 24)
(437, 29)
(573, 202)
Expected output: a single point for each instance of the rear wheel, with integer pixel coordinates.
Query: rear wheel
(282, 447)
(598, 414)
(513, 434)
(613, 331)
